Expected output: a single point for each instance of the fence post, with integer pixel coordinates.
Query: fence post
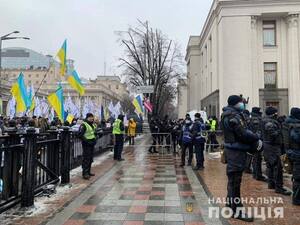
(65, 155)
(10, 173)
(53, 160)
(29, 168)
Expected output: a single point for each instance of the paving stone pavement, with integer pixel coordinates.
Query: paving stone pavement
(143, 190)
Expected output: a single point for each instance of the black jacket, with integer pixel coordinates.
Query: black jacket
(238, 139)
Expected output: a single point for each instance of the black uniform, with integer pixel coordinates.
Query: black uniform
(187, 142)
(255, 125)
(249, 159)
(291, 136)
(199, 141)
(272, 138)
(154, 131)
(88, 149)
(238, 141)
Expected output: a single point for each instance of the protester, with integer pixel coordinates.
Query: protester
(131, 131)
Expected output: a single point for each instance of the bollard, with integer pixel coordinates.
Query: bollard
(29, 168)
(65, 155)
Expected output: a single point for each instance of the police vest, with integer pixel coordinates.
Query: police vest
(117, 127)
(89, 132)
(213, 124)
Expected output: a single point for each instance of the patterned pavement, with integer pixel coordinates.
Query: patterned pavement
(143, 190)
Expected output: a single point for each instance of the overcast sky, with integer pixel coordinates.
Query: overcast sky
(90, 25)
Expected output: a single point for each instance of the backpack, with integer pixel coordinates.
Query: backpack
(187, 136)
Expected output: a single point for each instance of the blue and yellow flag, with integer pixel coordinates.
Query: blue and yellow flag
(75, 83)
(138, 104)
(19, 92)
(62, 55)
(31, 101)
(56, 100)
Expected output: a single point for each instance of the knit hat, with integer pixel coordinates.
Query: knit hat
(197, 115)
(295, 112)
(234, 99)
(256, 110)
(271, 110)
(89, 115)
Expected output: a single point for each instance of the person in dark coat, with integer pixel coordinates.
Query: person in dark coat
(248, 169)
(238, 141)
(187, 142)
(255, 125)
(291, 139)
(87, 133)
(199, 141)
(272, 138)
(154, 129)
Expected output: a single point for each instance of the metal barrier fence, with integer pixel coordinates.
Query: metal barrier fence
(30, 161)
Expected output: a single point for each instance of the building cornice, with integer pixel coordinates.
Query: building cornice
(218, 5)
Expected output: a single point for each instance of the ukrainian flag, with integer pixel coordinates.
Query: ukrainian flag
(19, 92)
(56, 100)
(138, 104)
(62, 56)
(75, 83)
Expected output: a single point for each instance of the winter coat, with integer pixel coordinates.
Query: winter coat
(131, 128)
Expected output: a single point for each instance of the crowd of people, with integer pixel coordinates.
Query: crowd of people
(251, 137)
(186, 134)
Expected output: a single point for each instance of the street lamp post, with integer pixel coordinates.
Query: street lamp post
(3, 38)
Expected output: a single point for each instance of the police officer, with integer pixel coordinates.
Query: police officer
(249, 159)
(255, 125)
(88, 136)
(187, 142)
(199, 141)
(154, 133)
(272, 138)
(238, 141)
(291, 137)
(118, 132)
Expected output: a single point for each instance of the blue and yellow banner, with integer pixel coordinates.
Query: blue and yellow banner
(75, 83)
(138, 104)
(62, 56)
(19, 92)
(56, 100)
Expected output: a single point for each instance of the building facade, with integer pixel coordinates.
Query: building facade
(42, 72)
(249, 48)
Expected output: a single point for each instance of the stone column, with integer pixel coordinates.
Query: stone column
(254, 98)
(293, 60)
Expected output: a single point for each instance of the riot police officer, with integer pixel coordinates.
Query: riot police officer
(272, 138)
(255, 125)
(238, 141)
(198, 141)
(187, 142)
(291, 137)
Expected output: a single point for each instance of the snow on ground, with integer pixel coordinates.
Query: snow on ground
(42, 204)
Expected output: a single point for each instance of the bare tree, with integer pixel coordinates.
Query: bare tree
(151, 58)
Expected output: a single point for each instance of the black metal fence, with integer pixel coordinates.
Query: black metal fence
(30, 161)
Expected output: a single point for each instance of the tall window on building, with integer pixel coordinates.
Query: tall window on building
(270, 74)
(269, 32)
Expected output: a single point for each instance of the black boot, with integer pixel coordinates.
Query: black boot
(283, 191)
